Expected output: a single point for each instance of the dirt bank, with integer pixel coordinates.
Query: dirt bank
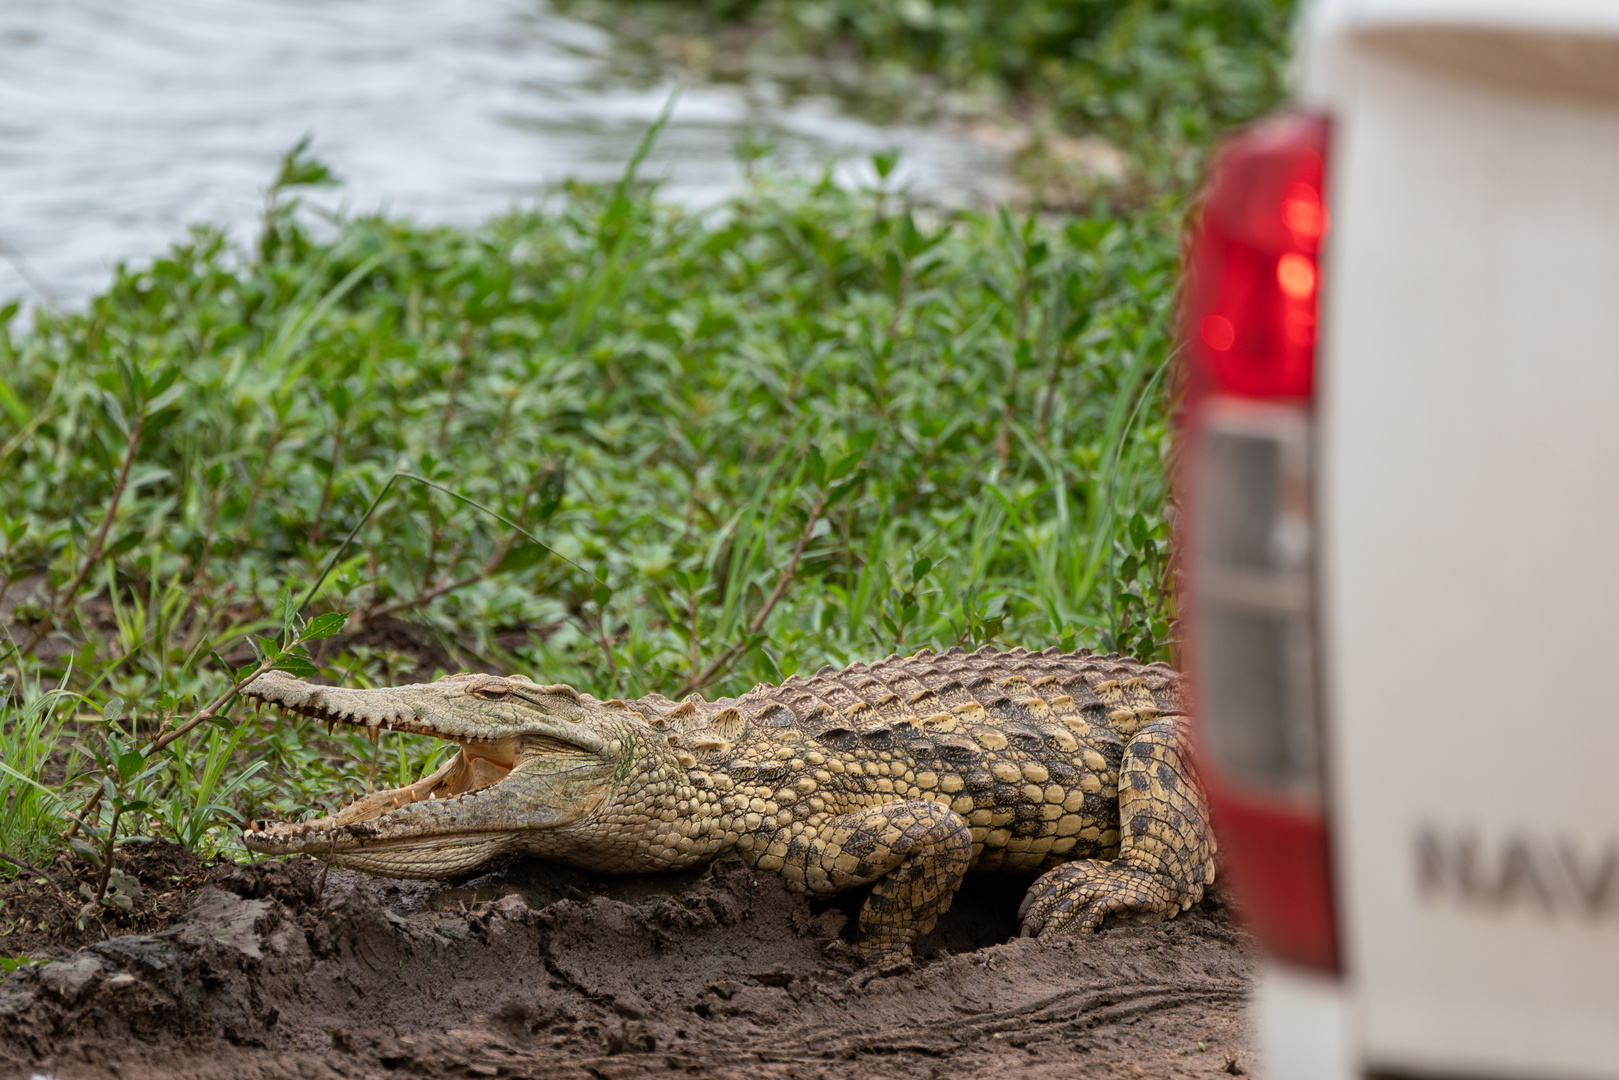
(271, 971)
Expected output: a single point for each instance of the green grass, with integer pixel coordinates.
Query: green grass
(606, 442)
(32, 814)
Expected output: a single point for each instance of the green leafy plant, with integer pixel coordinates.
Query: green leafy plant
(201, 799)
(607, 442)
(126, 776)
(10, 965)
(901, 609)
(31, 810)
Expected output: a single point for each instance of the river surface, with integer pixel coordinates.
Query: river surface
(120, 122)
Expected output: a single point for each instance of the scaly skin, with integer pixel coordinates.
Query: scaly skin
(903, 775)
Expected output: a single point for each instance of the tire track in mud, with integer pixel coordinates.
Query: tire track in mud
(1064, 1010)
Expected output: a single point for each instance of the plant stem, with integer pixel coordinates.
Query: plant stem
(94, 554)
(326, 489)
(432, 546)
(211, 709)
(696, 632)
(503, 519)
(108, 853)
(84, 811)
(1003, 440)
(214, 494)
(1051, 391)
(607, 645)
(726, 658)
(444, 586)
(455, 385)
(30, 867)
(258, 487)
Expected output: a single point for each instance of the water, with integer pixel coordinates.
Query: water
(120, 123)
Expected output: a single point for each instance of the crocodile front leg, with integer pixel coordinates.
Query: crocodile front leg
(1166, 851)
(917, 853)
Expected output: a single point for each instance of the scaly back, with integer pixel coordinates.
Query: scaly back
(1033, 694)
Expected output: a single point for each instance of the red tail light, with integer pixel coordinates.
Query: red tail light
(1253, 274)
(1250, 322)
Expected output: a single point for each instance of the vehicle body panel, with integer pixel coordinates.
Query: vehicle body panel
(1468, 528)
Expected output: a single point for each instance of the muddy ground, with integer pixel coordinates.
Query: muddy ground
(272, 970)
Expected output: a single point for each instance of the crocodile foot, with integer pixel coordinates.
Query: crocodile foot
(1166, 853)
(1077, 896)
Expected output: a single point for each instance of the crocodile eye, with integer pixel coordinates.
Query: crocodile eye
(491, 693)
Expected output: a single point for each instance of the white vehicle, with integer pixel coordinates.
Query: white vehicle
(1401, 481)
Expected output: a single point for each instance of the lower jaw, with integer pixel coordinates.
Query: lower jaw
(425, 859)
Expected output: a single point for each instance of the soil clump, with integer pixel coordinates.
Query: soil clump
(287, 970)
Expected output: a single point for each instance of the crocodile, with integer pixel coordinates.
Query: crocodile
(901, 775)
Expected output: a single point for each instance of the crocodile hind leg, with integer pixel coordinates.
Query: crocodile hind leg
(916, 852)
(1166, 852)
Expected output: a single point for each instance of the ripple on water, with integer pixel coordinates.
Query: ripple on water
(123, 122)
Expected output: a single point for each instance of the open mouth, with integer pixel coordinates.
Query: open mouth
(480, 764)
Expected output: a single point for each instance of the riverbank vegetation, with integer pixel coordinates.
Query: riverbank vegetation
(603, 440)
(1074, 86)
